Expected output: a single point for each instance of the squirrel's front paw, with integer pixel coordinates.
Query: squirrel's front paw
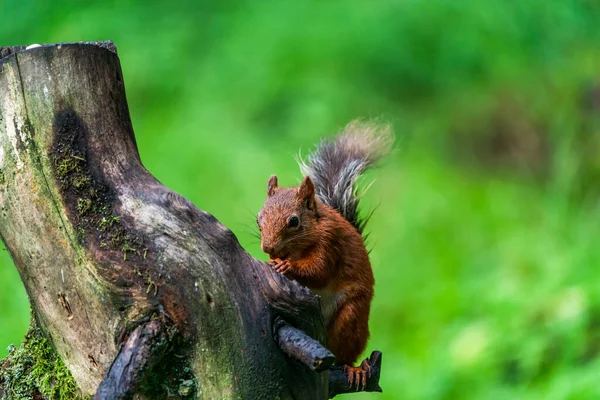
(282, 266)
(274, 261)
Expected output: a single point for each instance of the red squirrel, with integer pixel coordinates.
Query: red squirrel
(313, 234)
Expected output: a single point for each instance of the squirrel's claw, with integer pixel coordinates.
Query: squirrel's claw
(366, 366)
(280, 266)
(283, 266)
(358, 375)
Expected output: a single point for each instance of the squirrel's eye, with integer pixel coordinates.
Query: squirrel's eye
(293, 222)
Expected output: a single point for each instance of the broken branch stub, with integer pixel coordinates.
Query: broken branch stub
(298, 345)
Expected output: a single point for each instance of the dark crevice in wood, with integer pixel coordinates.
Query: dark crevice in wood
(139, 354)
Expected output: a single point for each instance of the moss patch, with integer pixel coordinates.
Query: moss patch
(34, 371)
(2, 178)
(172, 378)
(83, 205)
(89, 199)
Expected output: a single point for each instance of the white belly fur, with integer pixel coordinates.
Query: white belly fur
(329, 302)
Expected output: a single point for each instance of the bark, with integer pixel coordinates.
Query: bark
(138, 291)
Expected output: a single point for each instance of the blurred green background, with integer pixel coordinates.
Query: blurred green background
(486, 226)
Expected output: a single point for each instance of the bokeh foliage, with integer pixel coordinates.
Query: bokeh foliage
(484, 235)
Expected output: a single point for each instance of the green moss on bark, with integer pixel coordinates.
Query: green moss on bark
(172, 378)
(85, 193)
(34, 371)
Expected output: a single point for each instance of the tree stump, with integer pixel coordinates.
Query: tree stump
(140, 293)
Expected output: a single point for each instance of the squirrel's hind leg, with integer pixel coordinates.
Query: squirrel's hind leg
(348, 331)
(348, 335)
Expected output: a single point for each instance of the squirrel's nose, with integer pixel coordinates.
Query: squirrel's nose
(267, 249)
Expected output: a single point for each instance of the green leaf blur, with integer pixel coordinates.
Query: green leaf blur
(483, 237)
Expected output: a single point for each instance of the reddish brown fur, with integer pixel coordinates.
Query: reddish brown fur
(325, 253)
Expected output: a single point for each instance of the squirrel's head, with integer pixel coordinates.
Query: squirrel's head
(287, 221)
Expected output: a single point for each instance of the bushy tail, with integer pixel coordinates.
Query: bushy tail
(336, 164)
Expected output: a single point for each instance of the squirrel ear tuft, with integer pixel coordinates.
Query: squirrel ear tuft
(272, 185)
(306, 191)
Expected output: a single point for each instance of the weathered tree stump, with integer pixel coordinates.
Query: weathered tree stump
(130, 282)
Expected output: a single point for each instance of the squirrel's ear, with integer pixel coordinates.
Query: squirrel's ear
(272, 185)
(306, 191)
